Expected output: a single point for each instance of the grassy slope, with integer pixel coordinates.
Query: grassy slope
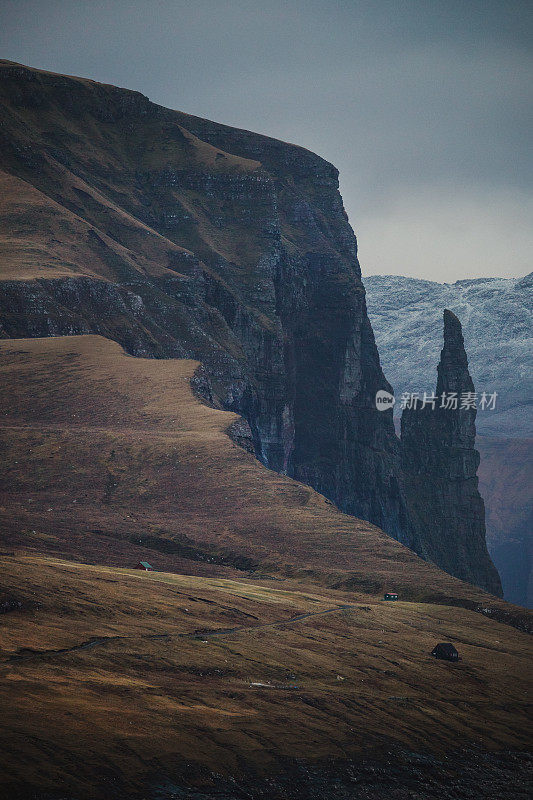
(79, 176)
(44, 239)
(97, 440)
(109, 457)
(151, 694)
(122, 189)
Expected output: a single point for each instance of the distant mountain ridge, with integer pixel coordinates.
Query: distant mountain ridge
(497, 319)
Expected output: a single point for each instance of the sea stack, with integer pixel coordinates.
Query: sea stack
(439, 470)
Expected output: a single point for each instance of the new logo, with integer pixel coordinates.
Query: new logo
(384, 400)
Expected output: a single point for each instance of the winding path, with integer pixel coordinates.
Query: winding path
(32, 655)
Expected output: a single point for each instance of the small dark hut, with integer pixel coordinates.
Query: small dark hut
(390, 596)
(144, 565)
(445, 651)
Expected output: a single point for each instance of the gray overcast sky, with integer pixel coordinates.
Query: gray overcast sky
(425, 107)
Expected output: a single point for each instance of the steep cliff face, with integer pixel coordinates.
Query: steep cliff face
(439, 466)
(505, 481)
(176, 236)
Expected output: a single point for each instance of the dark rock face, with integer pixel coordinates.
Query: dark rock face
(216, 244)
(439, 472)
(497, 319)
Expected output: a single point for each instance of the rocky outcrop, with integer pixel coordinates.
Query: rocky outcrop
(497, 319)
(439, 470)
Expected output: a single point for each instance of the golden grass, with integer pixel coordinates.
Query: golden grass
(111, 674)
(95, 440)
(156, 689)
(43, 239)
(51, 214)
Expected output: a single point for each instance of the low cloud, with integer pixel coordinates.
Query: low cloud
(439, 235)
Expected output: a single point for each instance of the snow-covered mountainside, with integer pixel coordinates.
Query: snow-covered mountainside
(497, 319)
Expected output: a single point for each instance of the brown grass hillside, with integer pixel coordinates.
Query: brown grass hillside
(261, 642)
(113, 678)
(109, 456)
(70, 195)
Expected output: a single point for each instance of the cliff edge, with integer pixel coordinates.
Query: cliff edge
(178, 237)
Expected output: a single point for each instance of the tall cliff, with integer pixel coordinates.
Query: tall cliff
(439, 467)
(180, 237)
(176, 236)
